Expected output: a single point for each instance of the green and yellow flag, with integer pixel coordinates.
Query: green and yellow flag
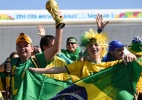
(115, 83)
(36, 86)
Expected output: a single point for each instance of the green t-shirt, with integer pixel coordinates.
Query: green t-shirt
(73, 55)
(18, 70)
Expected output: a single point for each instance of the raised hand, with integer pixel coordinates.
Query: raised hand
(41, 30)
(100, 22)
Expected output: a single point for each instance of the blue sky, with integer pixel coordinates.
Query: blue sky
(70, 4)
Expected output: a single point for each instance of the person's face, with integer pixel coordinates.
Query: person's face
(24, 50)
(118, 53)
(94, 50)
(71, 46)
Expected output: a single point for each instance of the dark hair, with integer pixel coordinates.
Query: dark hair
(12, 54)
(45, 41)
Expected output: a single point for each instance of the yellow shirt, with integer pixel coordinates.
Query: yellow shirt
(58, 62)
(82, 69)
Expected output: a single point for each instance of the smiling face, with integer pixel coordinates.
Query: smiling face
(94, 50)
(97, 44)
(24, 50)
(71, 46)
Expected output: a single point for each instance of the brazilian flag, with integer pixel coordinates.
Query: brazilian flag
(36, 86)
(115, 83)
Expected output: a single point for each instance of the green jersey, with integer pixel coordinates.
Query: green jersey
(19, 70)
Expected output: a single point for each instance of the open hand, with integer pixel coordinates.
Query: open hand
(41, 30)
(100, 22)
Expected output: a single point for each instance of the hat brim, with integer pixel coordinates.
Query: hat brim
(123, 45)
(22, 41)
(135, 52)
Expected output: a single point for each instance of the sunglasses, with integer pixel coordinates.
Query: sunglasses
(71, 43)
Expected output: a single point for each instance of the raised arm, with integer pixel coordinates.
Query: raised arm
(51, 52)
(53, 70)
(100, 23)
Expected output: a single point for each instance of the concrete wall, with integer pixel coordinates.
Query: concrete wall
(116, 31)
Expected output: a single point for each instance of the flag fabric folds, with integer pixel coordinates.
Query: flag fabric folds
(115, 83)
(36, 86)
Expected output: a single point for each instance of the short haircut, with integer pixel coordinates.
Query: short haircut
(45, 41)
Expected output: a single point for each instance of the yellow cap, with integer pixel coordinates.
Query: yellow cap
(23, 37)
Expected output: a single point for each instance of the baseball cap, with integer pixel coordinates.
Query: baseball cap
(136, 46)
(23, 37)
(115, 44)
(71, 39)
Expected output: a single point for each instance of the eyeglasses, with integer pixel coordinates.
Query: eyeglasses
(71, 43)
